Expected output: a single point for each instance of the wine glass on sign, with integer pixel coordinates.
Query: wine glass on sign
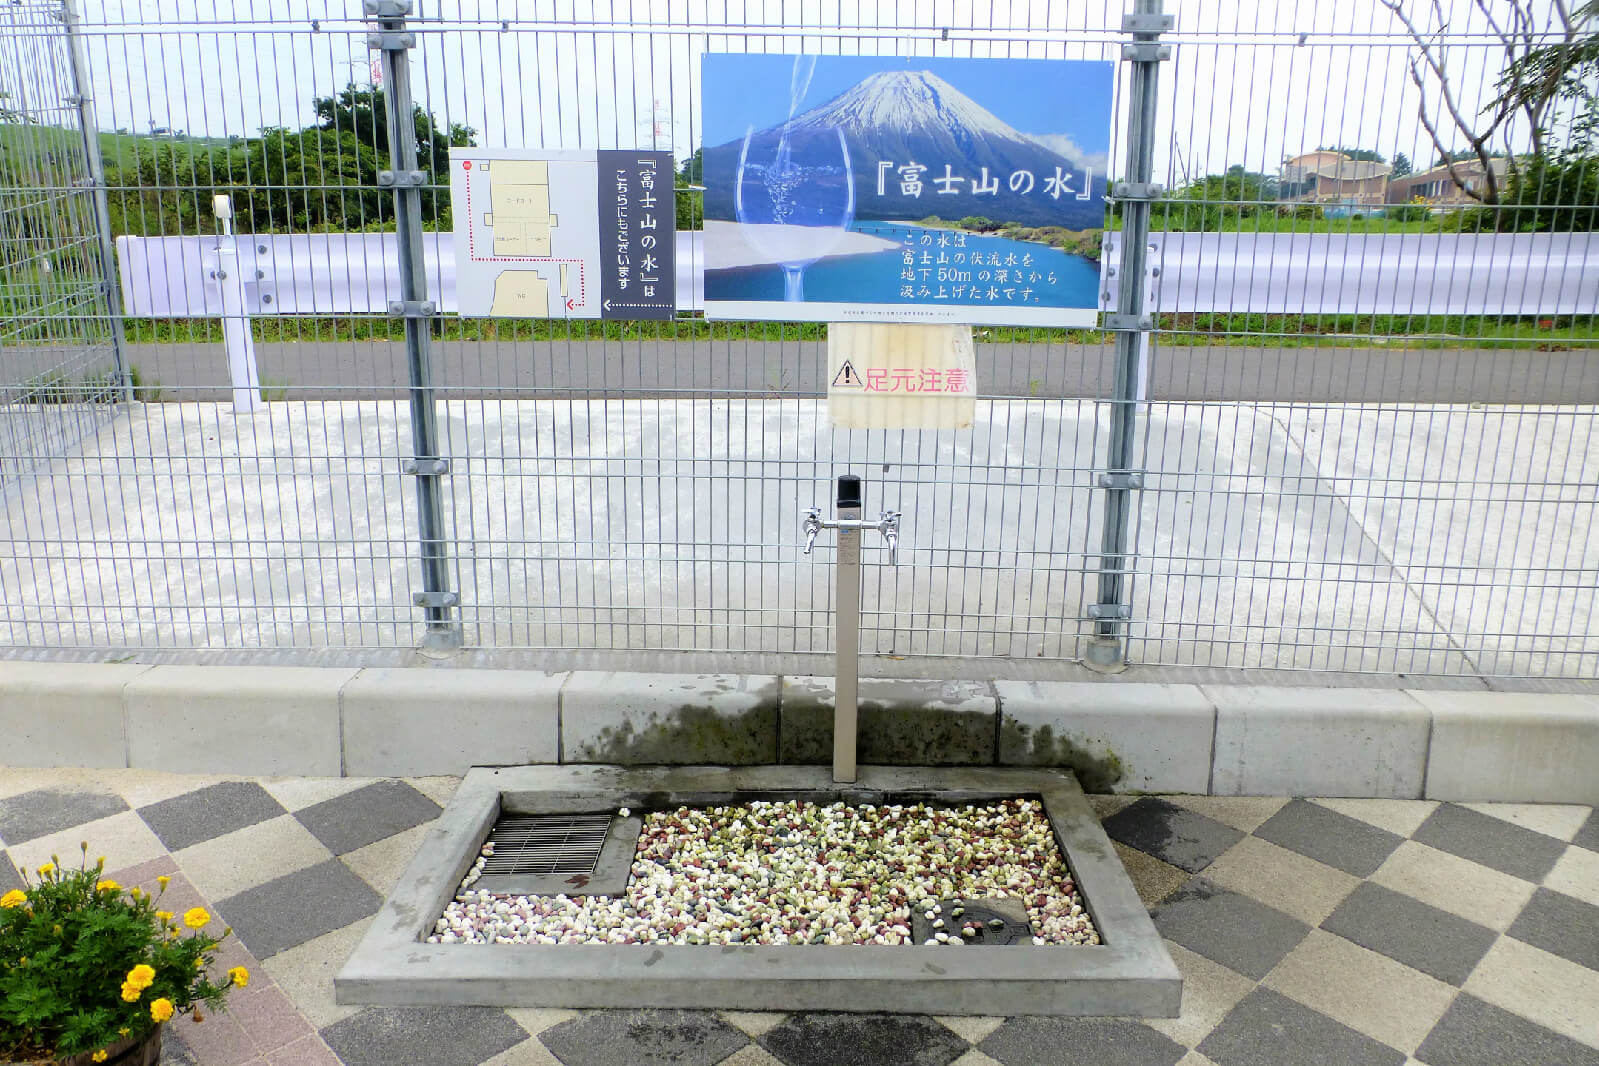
(795, 197)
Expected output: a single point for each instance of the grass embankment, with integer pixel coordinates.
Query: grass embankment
(1273, 331)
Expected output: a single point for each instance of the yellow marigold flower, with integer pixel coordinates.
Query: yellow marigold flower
(141, 976)
(161, 1009)
(162, 880)
(124, 1031)
(107, 885)
(47, 869)
(165, 916)
(15, 898)
(239, 976)
(98, 1056)
(130, 994)
(196, 918)
(136, 892)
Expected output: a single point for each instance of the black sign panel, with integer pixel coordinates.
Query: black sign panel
(638, 222)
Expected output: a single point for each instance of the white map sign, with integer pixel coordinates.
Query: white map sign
(552, 234)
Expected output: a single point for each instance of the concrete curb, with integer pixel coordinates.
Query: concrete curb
(1118, 736)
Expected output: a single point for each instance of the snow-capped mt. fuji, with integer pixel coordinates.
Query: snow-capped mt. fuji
(907, 102)
(915, 117)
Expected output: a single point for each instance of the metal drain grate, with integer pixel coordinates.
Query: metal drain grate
(547, 845)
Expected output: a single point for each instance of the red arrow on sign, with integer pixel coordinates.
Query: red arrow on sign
(571, 305)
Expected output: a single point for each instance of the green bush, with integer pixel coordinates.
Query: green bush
(85, 963)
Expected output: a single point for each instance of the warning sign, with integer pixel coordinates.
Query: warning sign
(900, 376)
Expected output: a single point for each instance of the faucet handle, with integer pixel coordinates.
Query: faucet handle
(811, 526)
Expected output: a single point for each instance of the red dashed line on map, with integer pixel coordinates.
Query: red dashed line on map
(471, 249)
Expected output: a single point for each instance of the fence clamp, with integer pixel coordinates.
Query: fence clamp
(1117, 322)
(386, 9)
(425, 467)
(1121, 479)
(1121, 190)
(1110, 610)
(401, 179)
(1146, 52)
(436, 599)
(391, 41)
(1144, 22)
(412, 308)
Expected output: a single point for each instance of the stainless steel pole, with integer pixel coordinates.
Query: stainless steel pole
(847, 623)
(1107, 650)
(83, 100)
(393, 43)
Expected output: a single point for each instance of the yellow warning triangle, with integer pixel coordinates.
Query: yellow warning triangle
(846, 378)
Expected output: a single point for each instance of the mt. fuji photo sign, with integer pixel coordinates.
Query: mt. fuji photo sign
(903, 189)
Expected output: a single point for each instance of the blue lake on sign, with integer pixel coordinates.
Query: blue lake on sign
(875, 278)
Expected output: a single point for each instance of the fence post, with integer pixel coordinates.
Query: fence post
(393, 43)
(82, 99)
(1131, 322)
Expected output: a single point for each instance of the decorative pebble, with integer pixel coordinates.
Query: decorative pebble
(799, 872)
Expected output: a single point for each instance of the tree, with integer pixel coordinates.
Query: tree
(1514, 26)
(1402, 166)
(1215, 201)
(1564, 71)
(363, 112)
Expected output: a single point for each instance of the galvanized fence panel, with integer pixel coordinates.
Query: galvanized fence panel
(1371, 481)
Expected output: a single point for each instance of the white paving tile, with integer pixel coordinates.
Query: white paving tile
(1554, 992)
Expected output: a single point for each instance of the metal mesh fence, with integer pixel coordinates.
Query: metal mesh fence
(60, 381)
(1364, 422)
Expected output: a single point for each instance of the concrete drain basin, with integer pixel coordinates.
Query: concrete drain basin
(1100, 954)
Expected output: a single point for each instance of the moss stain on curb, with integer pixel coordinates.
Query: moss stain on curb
(1023, 745)
(690, 734)
(891, 733)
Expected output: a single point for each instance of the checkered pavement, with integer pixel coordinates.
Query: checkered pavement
(1315, 932)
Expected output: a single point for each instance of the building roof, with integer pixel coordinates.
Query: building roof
(1465, 166)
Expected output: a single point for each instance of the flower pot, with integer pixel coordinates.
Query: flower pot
(141, 1050)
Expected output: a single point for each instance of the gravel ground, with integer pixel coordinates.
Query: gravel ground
(796, 872)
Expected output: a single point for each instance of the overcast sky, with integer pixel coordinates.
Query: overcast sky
(1251, 80)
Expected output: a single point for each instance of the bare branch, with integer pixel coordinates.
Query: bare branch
(1430, 51)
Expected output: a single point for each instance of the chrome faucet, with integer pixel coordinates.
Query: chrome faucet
(887, 524)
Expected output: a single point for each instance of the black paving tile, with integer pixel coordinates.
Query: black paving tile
(1561, 926)
(1405, 929)
(49, 810)
(367, 815)
(1350, 845)
(1171, 833)
(1226, 927)
(437, 1036)
(1588, 835)
(301, 906)
(9, 878)
(863, 1040)
(1268, 1029)
(1482, 838)
(1474, 1033)
(1080, 1042)
(625, 1037)
(207, 813)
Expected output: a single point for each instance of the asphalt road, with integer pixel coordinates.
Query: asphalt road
(372, 370)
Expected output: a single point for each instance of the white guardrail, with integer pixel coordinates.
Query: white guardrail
(238, 277)
(1276, 273)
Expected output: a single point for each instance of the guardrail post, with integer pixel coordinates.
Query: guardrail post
(1106, 650)
(83, 100)
(393, 43)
